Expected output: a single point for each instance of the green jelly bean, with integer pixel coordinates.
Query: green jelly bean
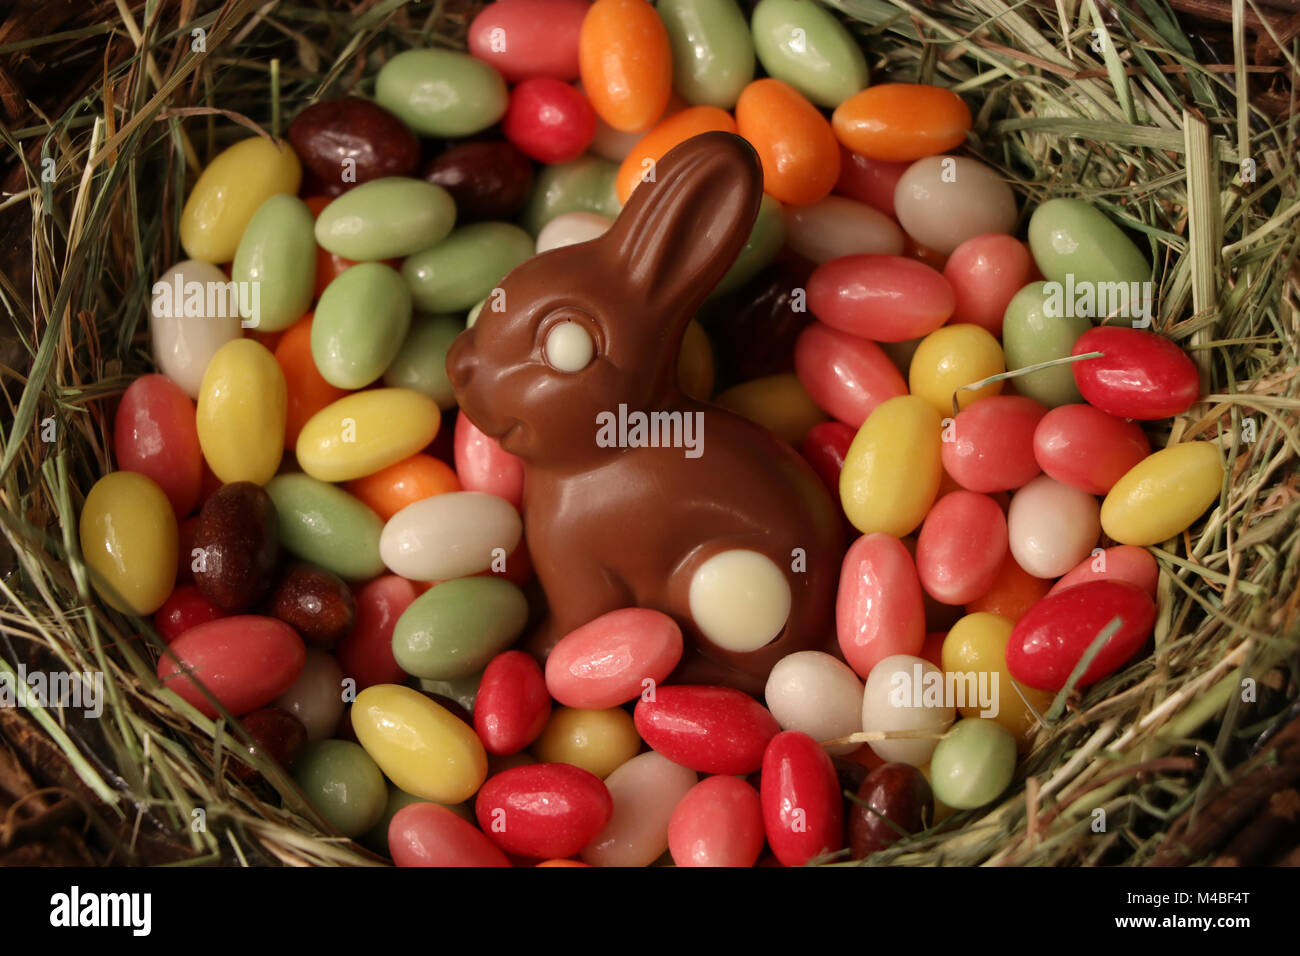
(713, 55)
(277, 253)
(441, 92)
(454, 274)
(386, 219)
(973, 763)
(323, 524)
(1032, 333)
(1070, 237)
(802, 44)
(584, 185)
(455, 628)
(343, 784)
(421, 364)
(462, 690)
(765, 241)
(361, 321)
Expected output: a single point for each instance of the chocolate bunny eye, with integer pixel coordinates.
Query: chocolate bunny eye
(569, 347)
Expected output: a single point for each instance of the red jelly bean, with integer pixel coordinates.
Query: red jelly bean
(544, 810)
(883, 298)
(718, 823)
(426, 834)
(524, 38)
(366, 654)
(847, 376)
(708, 729)
(961, 547)
(880, 609)
(825, 447)
(512, 707)
(154, 434)
(871, 181)
(549, 120)
(483, 465)
(184, 609)
(1084, 447)
(985, 273)
(989, 446)
(607, 662)
(244, 661)
(1124, 562)
(1141, 374)
(803, 812)
(1051, 639)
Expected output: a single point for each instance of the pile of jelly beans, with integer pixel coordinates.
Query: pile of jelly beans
(349, 580)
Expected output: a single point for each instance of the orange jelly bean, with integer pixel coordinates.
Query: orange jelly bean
(664, 136)
(626, 63)
(901, 122)
(308, 392)
(800, 157)
(413, 479)
(1013, 593)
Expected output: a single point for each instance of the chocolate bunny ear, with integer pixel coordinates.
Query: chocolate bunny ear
(679, 234)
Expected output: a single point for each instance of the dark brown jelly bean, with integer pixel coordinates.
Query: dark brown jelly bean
(897, 791)
(850, 773)
(315, 603)
(276, 733)
(754, 328)
(235, 546)
(488, 180)
(328, 134)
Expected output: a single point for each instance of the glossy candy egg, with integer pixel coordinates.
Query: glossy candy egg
(905, 694)
(803, 812)
(961, 547)
(1082, 446)
(426, 834)
(878, 297)
(645, 791)
(543, 811)
(719, 822)
(879, 611)
(625, 62)
(1162, 495)
(898, 122)
(708, 729)
(989, 445)
(245, 662)
(1051, 526)
(614, 658)
(815, 693)
(1140, 374)
(154, 434)
(128, 538)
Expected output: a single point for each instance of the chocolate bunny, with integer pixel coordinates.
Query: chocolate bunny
(739, 541)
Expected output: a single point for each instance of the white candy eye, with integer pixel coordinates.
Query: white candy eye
(569, 347)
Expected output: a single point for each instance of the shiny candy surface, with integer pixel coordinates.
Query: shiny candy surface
(645, 790)
(324, 525)
(1163, 494)
(804, 45)
(609, 661)
(625, 62)
(129, 539)
(1082, 446)
(708, 729)
(977, 646)
(315, 603)
(360, 434)
(352, 140)
(236, 546)
(952, 357)
(277, 256)
(366, 653)
(777, 402)
(798, 152)
(961, 547)
(817, 694)
(898, 794)
(598, 741)
(897, 122)
(942, 201)
(1034, 333)
(307, 392)
(426, 834)
(825, 448)
(154, 434)
(571, 228)
(882, 490)
(867, 180)
(343, 784)
(803, 812)
(359, 324)
(973, 764)
(639, 164)
(190, 318)
(719, 822)
(1013, 592)
(712, 51)
(549, 120)
(316, 697)
(584, 185)
(1139, 375)
(185, 607)
(1051, 526)
(989, 445)
(413, 479)
(229, 191)
(457, 272)
(512, 707)
(482, 464)
(543, 811)
(524, 38)
(421, 363)
(241, 413)
(245, 662)
(385, 219)
(1123, 562)
(985, 273)
(846, 375)
(441, 92)
(838, 226)
(880, 611)
(455, 628)
(486, 179)
(1072, 238)
(883, 298)
(905, 693)
(450, 535)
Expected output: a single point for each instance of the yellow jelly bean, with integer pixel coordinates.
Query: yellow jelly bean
(241, 411)
(977, 645)
(420, 746)
(363, 433)
(777, 402)
(128, 537)
(892, 471)
(598, 741)
(951, 357)
(1163, 494)
(237, 181)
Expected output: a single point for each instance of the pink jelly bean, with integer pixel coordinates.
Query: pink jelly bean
(985, 273)
(549, 120)
(961, 547)
(707, 729)
(512, 706)
(825, 447)
(880, 608)
(803, 812)
(366, 653)
(883, 298)
(609, 661)
(524, 38)
(1139, 375)
(426, 834)
(845, 375)
(245, 662)
(871, 181)
(154, 434)
(1123, 562)
(989, 446)
(483, 465)
(718, 823)
(1082, 446)
(543, 810)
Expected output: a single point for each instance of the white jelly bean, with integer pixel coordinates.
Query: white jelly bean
(1052, 527)
(571, 228)
(316, 697)
(451, 535)
(837, 226)
(740, 600)
(817, 694)
(941, 201)
(192, 314)
(646, 790)
(905, 693)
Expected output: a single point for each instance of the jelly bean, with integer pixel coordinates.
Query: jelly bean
(343, 784)
(512, 707)
(455, 628)
(363, 433)
(846, 375)
(837, 226)
(881, 487)
(277, 735)
(1013, 592)
(543, 810)
(450, 535)
(236, 546)
(129, 539)
(229, 190)
(1031, 333)
(764, 242)
(985, 273)
(825, 448)
(961, 547)
(754, 329)
(1072, 238)
(276, 257)
(973, 764)
(359, 324)
(777, 402)
(421, 363)
(803, 812)
(646, 790)
(458, 693)
(708, 729)
(1051, 526)
(894, 797)
(241, 412)
(324, 525)
(190, 318)
(867, 180)
(609, 660)
(454, 274)
(882, 298)
(1082, 446)
(306, 391)
(570, 229)
(316, 697)
(526, 38)
(942, 201)
(695, 363)
(879, 611)
(1140, 374)
(185, 607)
(385, 219)
(1163, 494)
(584, 185)
(901, 122)
(245, 662)
(366, 653)
(352, 140)
(989, 445)
(425, 834)
(598, 741)
(1050, 641)
(482, 464)
(376, 838)
(814, 693)
(549, 120)
(976, 651)
(413, 479)
(1124, 562)
(441, 92)
(639, 164)
(719, 822)
(804, 45)
(487, 180)
(906, 694)
(712, 53)
(800, 158)
(154, 434)
(625, 62)
(315, 603)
